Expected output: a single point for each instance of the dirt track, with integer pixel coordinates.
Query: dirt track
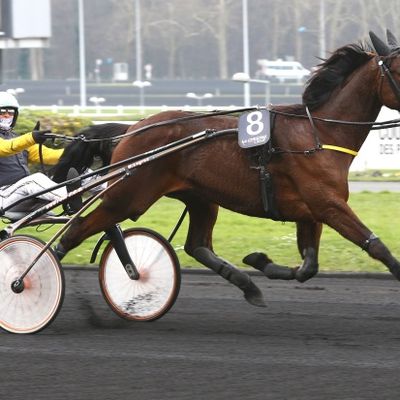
(327, 339)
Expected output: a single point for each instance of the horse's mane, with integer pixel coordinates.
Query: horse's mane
(333, 71)
(80, 155)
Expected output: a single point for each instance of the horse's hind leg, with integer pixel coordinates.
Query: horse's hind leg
(100, 219)
(199, 245)
(308, 236)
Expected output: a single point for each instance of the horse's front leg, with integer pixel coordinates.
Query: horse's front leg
(340, 217)
(308, 236)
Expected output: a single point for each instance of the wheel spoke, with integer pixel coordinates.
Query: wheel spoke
(37, 305)
(154, 293)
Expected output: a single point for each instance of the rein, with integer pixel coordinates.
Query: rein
(126, 166)
(374, 125)
(392, 123)
(155, 125)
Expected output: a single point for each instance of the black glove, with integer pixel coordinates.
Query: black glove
(38, 135)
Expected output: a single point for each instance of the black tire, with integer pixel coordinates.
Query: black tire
(155, 292)
(38, 304)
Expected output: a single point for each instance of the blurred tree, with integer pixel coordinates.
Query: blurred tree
(197, 38)
(60, 59)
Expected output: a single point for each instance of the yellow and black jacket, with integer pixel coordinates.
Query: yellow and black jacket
(16, 151)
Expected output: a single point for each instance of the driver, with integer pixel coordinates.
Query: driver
(16, 182)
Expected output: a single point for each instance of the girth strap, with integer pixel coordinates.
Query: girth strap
(266, 184)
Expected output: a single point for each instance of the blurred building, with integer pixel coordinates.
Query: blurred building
(25, 24)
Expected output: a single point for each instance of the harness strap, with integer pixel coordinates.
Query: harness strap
(266, 183)
(366, 244)
(319, 146)
(340, 149)
(314, 129)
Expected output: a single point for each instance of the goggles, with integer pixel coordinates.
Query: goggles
(10, 111)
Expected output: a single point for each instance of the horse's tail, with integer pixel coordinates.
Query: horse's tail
(80, 155)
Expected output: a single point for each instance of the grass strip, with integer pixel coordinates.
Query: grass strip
(237, 235)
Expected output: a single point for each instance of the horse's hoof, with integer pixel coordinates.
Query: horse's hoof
(395, 270)
(59, 251)
(257, 260)
(253, 295)
(302, 275)
(307, 270)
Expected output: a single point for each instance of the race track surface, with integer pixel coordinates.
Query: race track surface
(330, 338)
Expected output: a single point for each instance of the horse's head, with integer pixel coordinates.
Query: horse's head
(388, 58)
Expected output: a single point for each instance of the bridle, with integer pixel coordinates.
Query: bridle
(385, 71)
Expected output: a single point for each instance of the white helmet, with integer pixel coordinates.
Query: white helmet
(7, 100)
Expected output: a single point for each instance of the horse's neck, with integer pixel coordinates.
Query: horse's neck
(357, 100)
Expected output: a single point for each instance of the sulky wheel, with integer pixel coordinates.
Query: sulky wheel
(37, 301)
(156, 290)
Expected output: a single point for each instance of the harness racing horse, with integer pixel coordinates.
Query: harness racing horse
(309, 162)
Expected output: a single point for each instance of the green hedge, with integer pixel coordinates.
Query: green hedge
(57, 123)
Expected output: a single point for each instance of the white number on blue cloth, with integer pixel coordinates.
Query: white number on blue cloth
(254, 128)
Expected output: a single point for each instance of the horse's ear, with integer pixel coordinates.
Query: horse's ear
(380, 47)
(391, 39)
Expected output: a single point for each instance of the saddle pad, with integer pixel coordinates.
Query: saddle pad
(254, 128)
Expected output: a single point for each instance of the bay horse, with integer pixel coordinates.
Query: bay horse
(310, 186)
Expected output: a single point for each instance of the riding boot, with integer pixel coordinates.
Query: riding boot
(96, 189)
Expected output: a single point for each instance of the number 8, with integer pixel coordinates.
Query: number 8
(255, 124)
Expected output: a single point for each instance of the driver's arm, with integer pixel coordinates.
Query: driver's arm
(8, 147)
(50, 156)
